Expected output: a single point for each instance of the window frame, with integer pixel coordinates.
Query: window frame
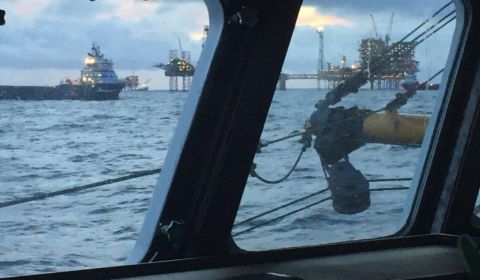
(447, 184)
(206, 169)
(207, 166)
(204, 180)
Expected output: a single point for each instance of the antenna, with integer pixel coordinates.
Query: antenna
(374, 26)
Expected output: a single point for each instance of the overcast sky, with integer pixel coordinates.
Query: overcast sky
(45, 41)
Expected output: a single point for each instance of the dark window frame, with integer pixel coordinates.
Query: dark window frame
(206, 170)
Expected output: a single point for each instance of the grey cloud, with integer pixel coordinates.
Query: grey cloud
(65, 47)
(412, 8)
(62, 35)
(84, 9)
(62, 42)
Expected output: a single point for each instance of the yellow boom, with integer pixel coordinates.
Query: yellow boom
(394, 128)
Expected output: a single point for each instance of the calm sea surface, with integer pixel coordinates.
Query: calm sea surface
(47, 146)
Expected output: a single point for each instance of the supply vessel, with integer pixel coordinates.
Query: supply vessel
(98, 81)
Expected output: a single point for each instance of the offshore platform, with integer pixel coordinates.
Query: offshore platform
(132, 83)
(180, 67)
(402, 62)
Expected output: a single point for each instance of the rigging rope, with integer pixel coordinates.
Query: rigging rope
(436, 30)
(280, 217)
(42, 196)
(402, 98)
(143, 173)
(427, 20)
(254, 173)
(298, 210)
(266, 143)
(280, 207)
(432, 27)
(312, 195)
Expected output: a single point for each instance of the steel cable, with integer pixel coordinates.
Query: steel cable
(42, 196)
(254, 173)
(298, 210)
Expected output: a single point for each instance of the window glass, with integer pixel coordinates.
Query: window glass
(85, 98)
(361, 150)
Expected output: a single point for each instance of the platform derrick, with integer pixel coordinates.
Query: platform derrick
(402, 59)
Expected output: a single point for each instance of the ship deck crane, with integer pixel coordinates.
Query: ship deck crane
(389, 30)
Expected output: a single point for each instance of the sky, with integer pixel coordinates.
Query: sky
(45, 41)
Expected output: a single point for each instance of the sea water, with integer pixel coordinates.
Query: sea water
(48, 146)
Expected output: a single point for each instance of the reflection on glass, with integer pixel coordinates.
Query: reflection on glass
(476, 210)
(49, 146)
(345, 130)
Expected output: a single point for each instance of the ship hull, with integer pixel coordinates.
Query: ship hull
(418, 86)
(410, 86)
(62, 92)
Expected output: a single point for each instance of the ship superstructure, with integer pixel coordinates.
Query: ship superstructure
(98, 80)
(98, 69)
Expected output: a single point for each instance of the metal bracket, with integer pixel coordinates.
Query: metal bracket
(2, 17)
(338, 132)
(173, 231)
(246, 16)
(169, 236)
